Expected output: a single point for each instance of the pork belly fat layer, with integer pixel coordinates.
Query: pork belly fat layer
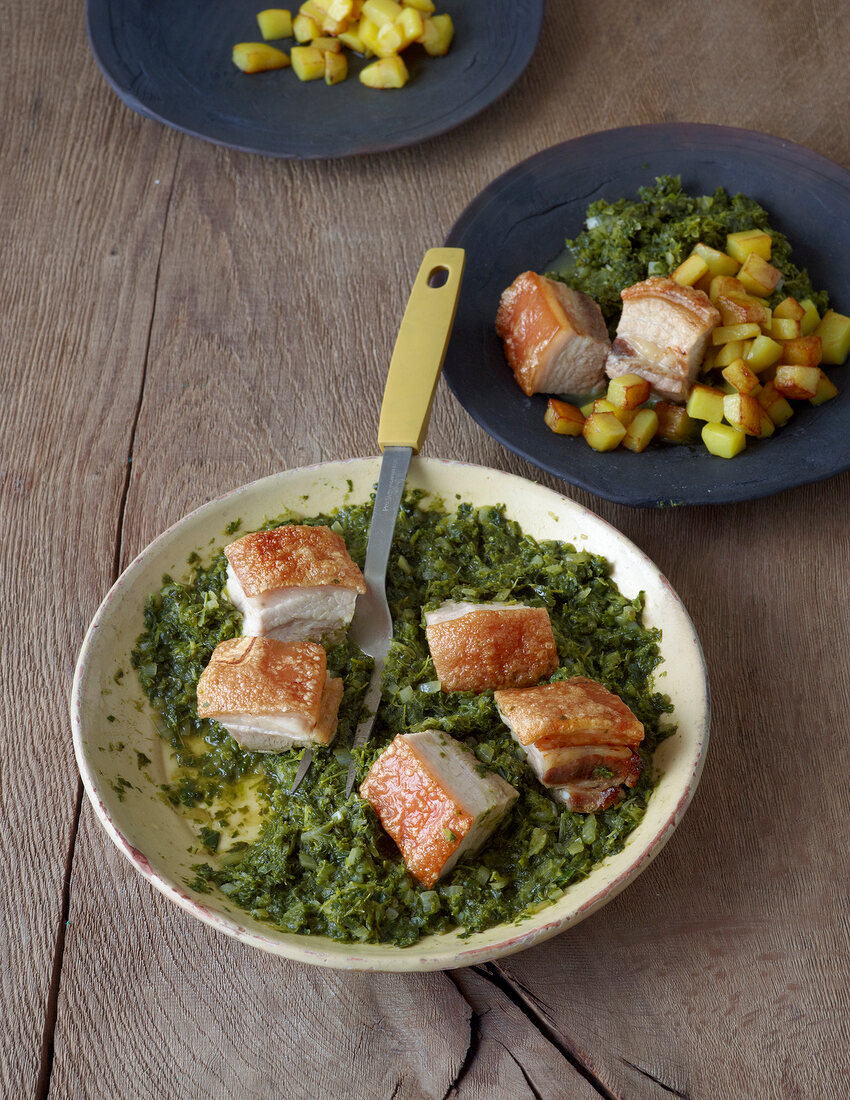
(476, 647)
(428, 794)
(270, 695)
(293, 556)
(294, 614)
(555, 338)
(662, 335)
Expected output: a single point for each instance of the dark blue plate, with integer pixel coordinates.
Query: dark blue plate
(519, 223)
(172, 62)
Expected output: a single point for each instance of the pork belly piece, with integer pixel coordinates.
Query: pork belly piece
(555, 338)
(579, 738)
(476, 646)
(428, 792)
(270, 695)
(662, 335)
(294, 583)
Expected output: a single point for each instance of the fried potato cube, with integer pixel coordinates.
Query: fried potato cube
(798, 382)
(336, 67)
(641, 431)
(762, 353)
(804, 352)
(690, 270)
(352, 39)
(739, 375)
(705, 403)
(826, 390)
(336, 9)
(725, 284)
(426, 6)
(368, 34)
(437, 35)
(603, 431)
(275, 23)
(327, 23)
(790, 309)
(308, 63)
(381, 11)
(723, 440)
(386, 72)
(767, 425)
(743, 412)
(304, 28)
(775, 405)
(719, 263)
(784, 328)
(412, 26)
(674, 424)
(587, 408)
(728, 353)
(741, 309)
(563, 418)
(811, 319)
(758, 276)
(628, 391)
(258, 57)
(327, 44)
(740, 245)
(834, 333)
(723, 334)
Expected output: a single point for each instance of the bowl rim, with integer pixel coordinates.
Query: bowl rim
(374, 957)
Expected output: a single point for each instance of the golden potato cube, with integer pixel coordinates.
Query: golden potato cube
(719, 263)
(775, 405)
(723, 440)
(412, 26)
(641, 431)
(437, 35)
(762, 353)
(386, 72)
(603, 431)
(767, 425)
(705, 403)
(674, 424)
(308, 63)
(758, 276)
(587, 408)
(797, 382)
(257, 57)
(811, 319)
(426, 6)
(826, 390)
(804, 352)
(743, 412)
(336, 67)
(563, 418)
(327, 44)
(690, 270)
(728, 353)
(628, 391)
(304, 28)
(352, 39)
(389, 40)
(336, 9)
(368, 33)
(275, 23)
(326, 23)
(741, 309)
(784, 328)
(740, 245)
(834, 332)
(725, 284)
(603, 405)
(790, 309)
(724, 334)
(381, 11)
(739, 375)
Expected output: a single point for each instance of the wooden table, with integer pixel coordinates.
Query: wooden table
(178, 319)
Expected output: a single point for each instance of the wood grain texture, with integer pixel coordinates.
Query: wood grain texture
(215, 317)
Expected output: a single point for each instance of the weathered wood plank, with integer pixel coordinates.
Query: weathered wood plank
(81, 224)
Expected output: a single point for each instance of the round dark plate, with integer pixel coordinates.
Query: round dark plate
(172, 62)
(519, 223)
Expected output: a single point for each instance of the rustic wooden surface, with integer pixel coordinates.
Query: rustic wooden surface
(178, 319)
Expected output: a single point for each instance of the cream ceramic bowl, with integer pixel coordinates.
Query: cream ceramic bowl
(155, 837)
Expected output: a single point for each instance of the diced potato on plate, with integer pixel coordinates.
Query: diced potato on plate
(718, 263)
(603, 431)
(381, 11)
(258, 57)
(762, 353)
(739, 375)
(674, 424)
(275, 23)
(723, 440)
(784, 328)
(758, 276)
(305, 29)
(336, 67)
(740, 245)
(826, 390)
(690, 270)
(308, 62)
(641, 431)
(743, 412)
(563, 418)
(728, 353)
(834, 333)
(437, 35)
(775, 405)
(724, 334)
(628, 391)
(386, 72)
(705, 403)
(797, 381)
(811, 318)
(805, 352)
(790, 309)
